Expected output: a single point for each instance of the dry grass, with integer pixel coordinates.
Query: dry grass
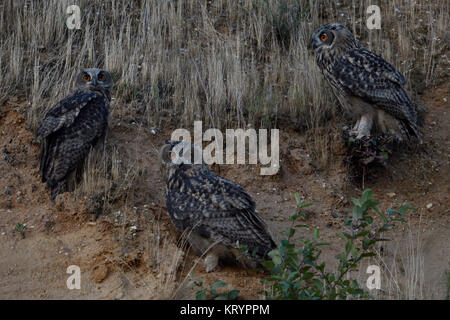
(402, 272)
(224, 62)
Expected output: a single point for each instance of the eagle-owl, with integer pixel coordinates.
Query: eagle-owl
(364, 83)
(215, 213)
(72, 127)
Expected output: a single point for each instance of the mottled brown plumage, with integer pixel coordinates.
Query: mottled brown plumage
(364, 83)
(72, 127)
(216, 213)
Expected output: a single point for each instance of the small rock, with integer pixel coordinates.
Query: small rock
(335, 215)
(429, 206)
(391, 194)
(297, 154)
(7, 192)
(100, 273)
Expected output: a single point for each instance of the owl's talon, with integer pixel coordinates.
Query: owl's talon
(362, 136)
(211, 262)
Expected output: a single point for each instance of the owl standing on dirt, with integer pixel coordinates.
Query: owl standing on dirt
(73, 127)
(215, 213)
(364, 83)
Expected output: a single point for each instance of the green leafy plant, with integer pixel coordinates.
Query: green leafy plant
(20, 228)
(213, 294)
(298, 273)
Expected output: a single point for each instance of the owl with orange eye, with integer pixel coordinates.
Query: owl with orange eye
(72, 128)
(216, 215)
(366, 85)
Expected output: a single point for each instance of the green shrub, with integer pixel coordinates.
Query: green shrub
(203, 294)
(297, 273)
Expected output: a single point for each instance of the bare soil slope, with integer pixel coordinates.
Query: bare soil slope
(135, 254)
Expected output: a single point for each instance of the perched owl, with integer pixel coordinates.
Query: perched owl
(215, 213)
(365, 84)
(72, 127)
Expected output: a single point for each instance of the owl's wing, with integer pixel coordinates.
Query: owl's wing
(365, 75)
(376, 65)
(64, 112)
(69, 130)
(218, 209)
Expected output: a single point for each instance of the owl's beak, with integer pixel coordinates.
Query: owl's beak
(312, 44)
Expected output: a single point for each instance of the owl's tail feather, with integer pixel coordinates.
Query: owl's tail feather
(58, 188)
(412, 131)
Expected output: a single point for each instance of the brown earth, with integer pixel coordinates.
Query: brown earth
(134, 254)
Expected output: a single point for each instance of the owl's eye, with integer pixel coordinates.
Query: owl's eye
(101, 77)
(86, 77)
(323, 36)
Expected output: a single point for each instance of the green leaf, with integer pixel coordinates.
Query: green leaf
(349, 246)
(290, 232)
(348, 221)
(383, 217)
(367, 195)
(362, 233)
(321, 267)
(302, 226)
(368, 254)
(307, 276)
(233, 294)
(405, 208)
(218, 284)
(344, 236)
(297, 198)
(316, 233)
(366, 243)
(292, 276)
(276, 257)
(368, 219)
(200, 295)
(355, 253)
(341, 256)
(305, 205)
(322, 244)
(284, 242)
(356, 202)
(357, 212)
